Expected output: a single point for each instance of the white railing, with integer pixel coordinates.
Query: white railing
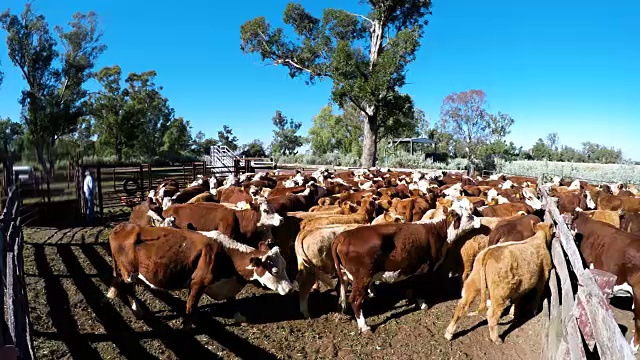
(221, 159)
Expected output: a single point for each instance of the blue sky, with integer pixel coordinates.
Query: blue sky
(570, 67)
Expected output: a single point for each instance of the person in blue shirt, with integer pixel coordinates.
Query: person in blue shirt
(88, 188)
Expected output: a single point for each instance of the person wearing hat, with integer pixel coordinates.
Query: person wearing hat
(88, 194)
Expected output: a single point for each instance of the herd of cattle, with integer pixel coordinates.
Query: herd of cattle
(370, 226)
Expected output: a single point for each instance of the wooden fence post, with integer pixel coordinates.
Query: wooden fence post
(142, 189)
(236, 167)
(184, 177)
(99, 176)
(204, 168)
(150, 175)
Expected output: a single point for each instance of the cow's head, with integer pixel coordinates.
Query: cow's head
(507, 184)
(460, 219)
(255, 192)
(230, 181)
(531, 199)
(590, 203)
(268, 217)
(454, 191)
(270, 271)
(168, 201)
(492, 194)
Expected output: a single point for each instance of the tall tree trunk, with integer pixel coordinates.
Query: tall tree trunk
(369, 148)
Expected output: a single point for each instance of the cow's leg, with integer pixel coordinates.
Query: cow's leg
(358, 294)
(306, 280)
(496, 308)
(635, 340)
(195, 294)
(117, 279)
(469, 292)
(371, 289)
(344, 282)
(538, 297)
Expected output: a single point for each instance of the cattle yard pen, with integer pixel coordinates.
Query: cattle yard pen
(576, 318)
(121, 187)
(579, 300)
(14, 295)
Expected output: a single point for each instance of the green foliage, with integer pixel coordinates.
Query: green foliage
(285, 141)
(366, 57)
(253, 149)
(341, 133)
(202, 145)
(151, 111)
(226, 138)
(10, 135)
(177, 138)
(133, 120)
(590, 153)
(52, 101)
(464, 116)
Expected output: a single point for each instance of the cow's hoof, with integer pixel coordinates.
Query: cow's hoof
(422, 304)
(448, 336)
(112, 293)
(365, 330)
(497, 340)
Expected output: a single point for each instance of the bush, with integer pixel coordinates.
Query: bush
(594, 173)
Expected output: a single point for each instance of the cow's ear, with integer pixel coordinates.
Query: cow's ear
(262, 246)
(254, 262)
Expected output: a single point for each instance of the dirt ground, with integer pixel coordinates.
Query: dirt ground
(66, 274)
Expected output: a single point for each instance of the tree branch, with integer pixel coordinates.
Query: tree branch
(360, 16)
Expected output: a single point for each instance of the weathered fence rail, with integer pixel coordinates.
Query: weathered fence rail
(14, 294)
(579, 306)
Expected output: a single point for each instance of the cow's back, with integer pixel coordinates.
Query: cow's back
(630, 222)
(205, 217)
(605, 246)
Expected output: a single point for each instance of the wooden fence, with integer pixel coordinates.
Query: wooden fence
(579, 317)
(14, 294)
(118, 186)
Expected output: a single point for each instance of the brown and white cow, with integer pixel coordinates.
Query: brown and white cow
(607, 248)
(394, 251)
(172, 259)
(250, 224)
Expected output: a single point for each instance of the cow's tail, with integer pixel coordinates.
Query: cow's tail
(481, 263)
(303, 259)
(117, 277)
(336, 259)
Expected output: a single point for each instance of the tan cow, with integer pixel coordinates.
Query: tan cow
(363, 216)
(507, 271)
(315, 263)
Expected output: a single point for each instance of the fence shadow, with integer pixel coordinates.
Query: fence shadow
(178, 340)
